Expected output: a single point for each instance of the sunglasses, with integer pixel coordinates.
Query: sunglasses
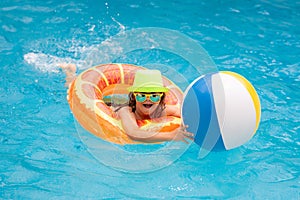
(154, 97)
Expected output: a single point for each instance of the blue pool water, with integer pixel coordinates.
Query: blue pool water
(43, 156)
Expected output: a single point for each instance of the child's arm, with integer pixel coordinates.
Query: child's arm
(133, 131)
(173, 110)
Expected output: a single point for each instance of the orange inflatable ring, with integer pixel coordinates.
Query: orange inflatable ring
(86, 99)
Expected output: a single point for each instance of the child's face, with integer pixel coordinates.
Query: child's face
(147, 103)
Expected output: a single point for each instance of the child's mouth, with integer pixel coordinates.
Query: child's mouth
(147, 105)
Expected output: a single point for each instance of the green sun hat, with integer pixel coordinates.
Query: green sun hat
(148, 81)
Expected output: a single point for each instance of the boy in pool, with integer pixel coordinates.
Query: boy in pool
(146, 101)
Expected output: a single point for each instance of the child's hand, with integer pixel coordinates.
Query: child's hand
(181, 134)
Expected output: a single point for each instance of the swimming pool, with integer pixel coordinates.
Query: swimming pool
(42, 154)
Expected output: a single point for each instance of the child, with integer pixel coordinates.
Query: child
(146, 101)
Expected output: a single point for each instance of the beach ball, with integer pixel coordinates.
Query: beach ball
(222, 109)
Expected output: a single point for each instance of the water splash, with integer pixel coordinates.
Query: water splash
(86, 56)
(44, 62)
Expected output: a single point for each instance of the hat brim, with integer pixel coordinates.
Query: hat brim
(148, 89)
